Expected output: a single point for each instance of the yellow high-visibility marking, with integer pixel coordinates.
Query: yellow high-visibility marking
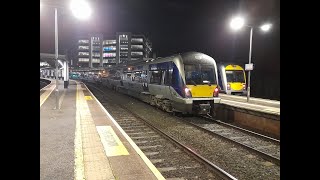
(89, 155)
(202, 90)
(78, 154)
(44, 96)
(61, 98)
(111, 142)
(233, 67)
(87, 97)
(236, 86)
(153, 169)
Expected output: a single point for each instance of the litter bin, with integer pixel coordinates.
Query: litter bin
(66, 83)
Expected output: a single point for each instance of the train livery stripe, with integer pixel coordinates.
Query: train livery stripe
(202, 90)
(233, 67)
(236, 86)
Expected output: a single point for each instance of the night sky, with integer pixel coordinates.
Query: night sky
(175, 26)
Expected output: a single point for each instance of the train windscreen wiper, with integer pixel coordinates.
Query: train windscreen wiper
(206, 82)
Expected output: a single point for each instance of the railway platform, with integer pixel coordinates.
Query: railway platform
(266, 106)
(79, 139)
(260, 115)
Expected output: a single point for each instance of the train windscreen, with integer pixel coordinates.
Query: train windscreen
(235, 76)
(199, 74)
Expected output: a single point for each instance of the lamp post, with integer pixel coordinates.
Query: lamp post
(236, 24)
(56, 55)
(81, 10)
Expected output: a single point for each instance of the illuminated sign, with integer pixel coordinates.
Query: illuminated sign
(249, 67)
(153, 67)
(159, 66)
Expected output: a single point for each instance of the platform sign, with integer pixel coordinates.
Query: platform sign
(249, 67)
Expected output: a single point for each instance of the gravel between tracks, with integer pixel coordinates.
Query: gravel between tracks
(230, 157)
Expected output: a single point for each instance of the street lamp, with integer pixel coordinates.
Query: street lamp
(265, 27)
(236, 24)
(81, 10)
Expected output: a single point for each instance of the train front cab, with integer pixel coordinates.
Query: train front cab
(201, 87)
(196, 85)
(232, 79)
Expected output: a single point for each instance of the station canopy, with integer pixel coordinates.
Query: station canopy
(48, 60)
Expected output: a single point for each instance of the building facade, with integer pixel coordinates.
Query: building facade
(98, 51)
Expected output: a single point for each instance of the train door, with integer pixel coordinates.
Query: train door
(220, 80)
(144, 80)
(155, 81)
(167, 78)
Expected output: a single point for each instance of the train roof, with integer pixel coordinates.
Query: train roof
(230, 63)
(231, 66)
(196, 57)
(191, 57)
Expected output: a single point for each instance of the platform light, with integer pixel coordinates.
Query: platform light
(80, 9)
(237, 23)
(266, 27)
(60, 63)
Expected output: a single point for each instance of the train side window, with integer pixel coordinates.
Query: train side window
(167, 79)
(219, 80)
(174, 79)
(162, 76)
(155, 77)
(137, 76)
(129, 76)
(144, 76)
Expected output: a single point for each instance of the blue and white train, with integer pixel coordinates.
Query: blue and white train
(186, 83)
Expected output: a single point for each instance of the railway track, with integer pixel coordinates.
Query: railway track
(171, 157)
(264, 146)
(241, 162)
(43, 84)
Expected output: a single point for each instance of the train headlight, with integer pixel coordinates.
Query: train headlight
(228, 87)
(187, 92)
(216, 92)
(244, 86)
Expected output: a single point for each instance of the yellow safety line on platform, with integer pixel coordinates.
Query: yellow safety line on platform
(44, 96)
(62, 97)
(78, 154)
(46, 86)
(87, 97)
(153, 169)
